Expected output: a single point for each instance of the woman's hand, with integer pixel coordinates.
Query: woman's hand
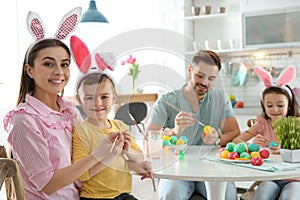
(210, 138)
(261, 140)
(183, 120)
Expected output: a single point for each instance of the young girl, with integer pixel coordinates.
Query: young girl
(96, 95)
(277, 101)
(40, 135)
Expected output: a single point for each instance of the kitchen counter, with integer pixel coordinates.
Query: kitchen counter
(247, 111)
(244, 114)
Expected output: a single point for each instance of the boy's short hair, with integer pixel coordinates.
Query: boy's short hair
(94, 78)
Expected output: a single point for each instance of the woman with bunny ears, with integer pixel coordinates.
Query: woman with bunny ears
(277, 101)
(40, 131)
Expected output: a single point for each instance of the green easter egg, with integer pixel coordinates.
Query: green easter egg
(253, 147)
(173, 139)
(240, 147)
(230, 146)
(245, 155)
(166, 143)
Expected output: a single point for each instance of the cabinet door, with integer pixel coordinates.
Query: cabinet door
(218, 30)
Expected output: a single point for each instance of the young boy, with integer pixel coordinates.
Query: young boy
(110, 178)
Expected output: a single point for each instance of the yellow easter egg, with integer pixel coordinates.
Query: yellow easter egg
(166, 137)
(224, 154)
(180, 142)
(254, 154)
(207, 130)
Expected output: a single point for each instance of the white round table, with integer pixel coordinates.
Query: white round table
(215, 174)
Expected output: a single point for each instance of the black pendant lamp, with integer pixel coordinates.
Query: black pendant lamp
(93, 15)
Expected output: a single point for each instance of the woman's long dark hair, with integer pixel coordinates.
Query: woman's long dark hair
(27, 83)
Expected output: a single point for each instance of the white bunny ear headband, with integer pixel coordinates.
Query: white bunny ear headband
(67, 25)
(84, 59)
(285, 77)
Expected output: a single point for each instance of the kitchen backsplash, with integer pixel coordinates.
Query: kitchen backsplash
(250, 89)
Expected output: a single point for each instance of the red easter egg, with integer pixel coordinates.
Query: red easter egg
(264, 153)
(233, 155)
(257, 161)
(221, 149)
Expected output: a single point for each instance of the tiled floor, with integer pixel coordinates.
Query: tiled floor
(143, 189)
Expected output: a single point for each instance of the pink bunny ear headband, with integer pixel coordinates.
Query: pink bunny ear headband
(285, 77)
(67, 25)
(84, 59)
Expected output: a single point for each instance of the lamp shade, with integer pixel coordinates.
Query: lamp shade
(93, 15)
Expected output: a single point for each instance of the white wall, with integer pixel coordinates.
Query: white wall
(259, 5)
(123, 16)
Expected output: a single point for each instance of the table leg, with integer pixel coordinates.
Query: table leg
(215, 190)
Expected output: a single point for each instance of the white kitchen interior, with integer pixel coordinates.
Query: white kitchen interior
(226, 33)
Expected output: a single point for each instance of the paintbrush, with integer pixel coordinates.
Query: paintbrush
(114, 143)
(136, 124)
(174, 107)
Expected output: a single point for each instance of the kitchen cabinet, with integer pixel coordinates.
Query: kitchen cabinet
(223, 32)
(223, 28)
(227, 26)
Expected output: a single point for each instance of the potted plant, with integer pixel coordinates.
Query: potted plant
(287, 130)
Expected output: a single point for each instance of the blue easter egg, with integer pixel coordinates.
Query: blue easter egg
(273, 144)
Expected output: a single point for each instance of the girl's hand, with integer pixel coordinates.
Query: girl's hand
(275, 149)
(260, 140)
(210, 138)
(183, 120)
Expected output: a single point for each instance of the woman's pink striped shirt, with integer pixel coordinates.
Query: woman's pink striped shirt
(41, 140)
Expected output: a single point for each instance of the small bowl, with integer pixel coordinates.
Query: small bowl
(195, 11)
(221, 9)
(207, 10)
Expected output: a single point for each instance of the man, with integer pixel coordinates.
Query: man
(199, 99)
